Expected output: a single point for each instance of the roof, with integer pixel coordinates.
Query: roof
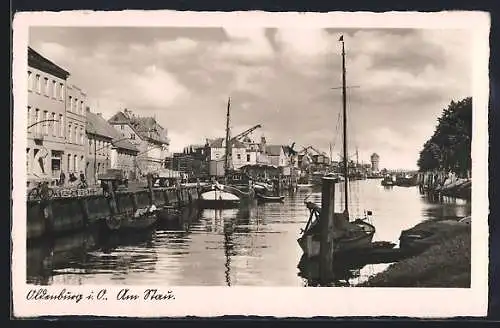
(220, 142)
(274, 150)
(99, 126)
(146, 127)
(36, 60)
(312, 151)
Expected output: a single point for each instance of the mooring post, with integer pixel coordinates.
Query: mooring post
(326, 224)
(150, 189)
(113, 205)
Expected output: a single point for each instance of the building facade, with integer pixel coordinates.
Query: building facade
(98, 147)
(149, 137)
(123, 154)
(46, 126)
(276, 155)
(76, 104)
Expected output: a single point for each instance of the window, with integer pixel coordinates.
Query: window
(61, 87)
(46, 86)
(121, 127)
(132, 136)
(38, 84)
(70, 103)
(61, 126)
(75, 163)
(37, 119)
(76, 135)
(82, 137)
(29, 118)
(70, 134)
(28, 160)
(54, 89)
(75, 102)
(68, 163)
(90, 146)
(54, 125)
(45, 124)
(82, 110)
(30, 81)
(248, 157)
(238, 156)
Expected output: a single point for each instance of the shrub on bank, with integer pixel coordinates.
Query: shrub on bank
(445, 264)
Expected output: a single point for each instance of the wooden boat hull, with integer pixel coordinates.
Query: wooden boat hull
(310, 243)
(218, 199)
(269, 199)
(123, 223)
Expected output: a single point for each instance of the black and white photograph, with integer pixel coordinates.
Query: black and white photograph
(237, 153)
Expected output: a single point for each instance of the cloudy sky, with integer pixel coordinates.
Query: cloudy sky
(280, 78)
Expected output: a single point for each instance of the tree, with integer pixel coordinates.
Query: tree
(449, 147)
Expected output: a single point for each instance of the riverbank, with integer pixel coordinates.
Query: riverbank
(446, 263)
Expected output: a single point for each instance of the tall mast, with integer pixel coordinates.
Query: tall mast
(344, 103)
(228, 149)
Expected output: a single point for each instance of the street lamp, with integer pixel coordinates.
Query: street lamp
(42, 121)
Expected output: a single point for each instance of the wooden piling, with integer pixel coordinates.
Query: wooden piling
(112, 200)
(150, 189)
(326, 235)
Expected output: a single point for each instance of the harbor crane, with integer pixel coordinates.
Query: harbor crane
(246, 132)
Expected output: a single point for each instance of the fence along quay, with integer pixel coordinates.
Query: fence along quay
(67, 210)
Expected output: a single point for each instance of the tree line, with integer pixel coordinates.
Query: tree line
(449, 148)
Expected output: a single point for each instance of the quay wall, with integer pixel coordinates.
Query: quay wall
(76, 209)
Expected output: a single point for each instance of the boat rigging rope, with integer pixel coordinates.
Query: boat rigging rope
(336, 130)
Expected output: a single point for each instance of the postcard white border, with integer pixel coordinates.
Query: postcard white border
(278, 302)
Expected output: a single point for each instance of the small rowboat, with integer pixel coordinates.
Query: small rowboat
(269, 199)
(143, 218)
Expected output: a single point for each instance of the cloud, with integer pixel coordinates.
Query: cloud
(245, 44)
(154, 88)
(177, 47)
(280, 78)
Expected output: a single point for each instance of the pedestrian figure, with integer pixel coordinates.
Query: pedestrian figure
(83, 182)
(62, 177)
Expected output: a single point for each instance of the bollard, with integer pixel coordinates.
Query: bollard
(326, 235)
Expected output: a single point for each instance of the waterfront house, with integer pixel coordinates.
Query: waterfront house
(56, 122)
(98, 148)
(108, 149)
(145, 133)
(76, 103)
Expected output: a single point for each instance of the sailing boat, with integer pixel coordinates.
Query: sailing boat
(348, 234)
(218, 195)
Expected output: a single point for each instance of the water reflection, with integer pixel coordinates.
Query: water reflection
(253, 246)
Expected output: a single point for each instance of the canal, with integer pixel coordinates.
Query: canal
(255, 246)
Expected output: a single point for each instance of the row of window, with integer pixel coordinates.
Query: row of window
(51, 88)
(43, 122)
(76, 106)
(100, 147)
(48, 88)
(76, 134)
(238, 156)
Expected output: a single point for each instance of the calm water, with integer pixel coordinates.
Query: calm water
(253, 246)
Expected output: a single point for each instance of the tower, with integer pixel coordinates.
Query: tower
(375, 159)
